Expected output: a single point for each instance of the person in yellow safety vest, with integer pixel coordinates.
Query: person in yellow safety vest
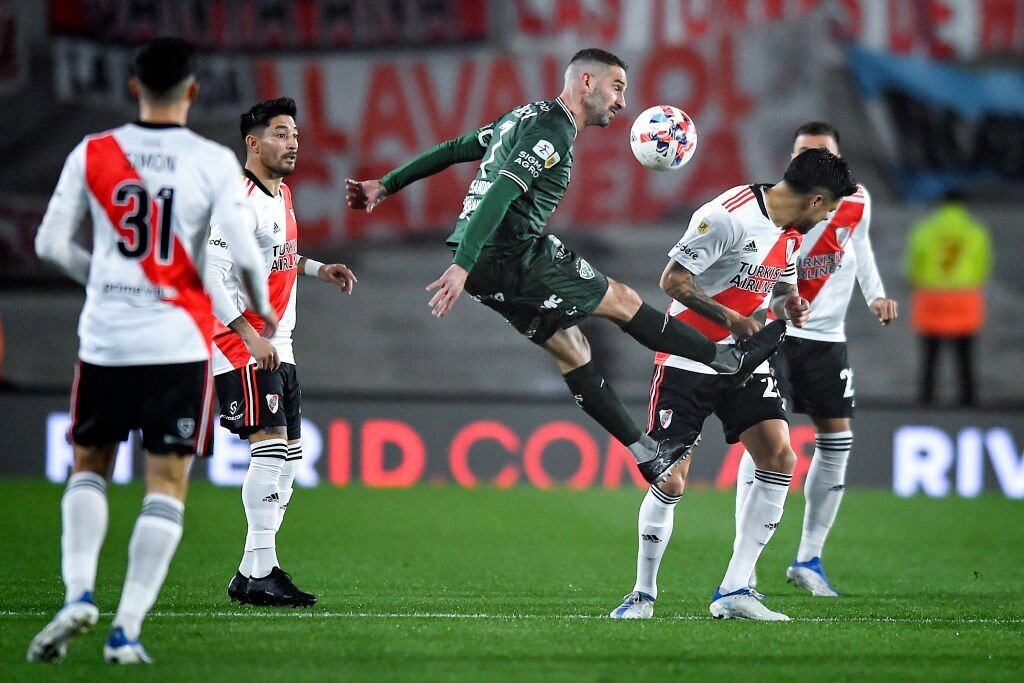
(949, 259)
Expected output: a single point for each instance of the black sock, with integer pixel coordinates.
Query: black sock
(599, 401)
(660, 332)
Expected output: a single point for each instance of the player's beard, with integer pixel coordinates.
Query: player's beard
(280, 169)
(597, 112)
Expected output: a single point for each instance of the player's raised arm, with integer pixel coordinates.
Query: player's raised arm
(707, 237)
(232, 214)
(367, 194)
(55, 240)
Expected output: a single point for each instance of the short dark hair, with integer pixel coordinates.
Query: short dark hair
(161, 64)
(593, 54)
(260, 114)
(820, 169)
(817, 128)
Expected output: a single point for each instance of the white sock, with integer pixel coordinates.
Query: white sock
(84, 526)
(284, 494)
(826, 481)
(759, 517)
(287, 479)
(245, 566)
(654, 525)
(154, 540)
(744, 482)
(260, 497)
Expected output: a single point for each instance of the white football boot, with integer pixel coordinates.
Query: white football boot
(636, 605)
(742, 604)
(119, 650)
(810, 575)
(73, 619)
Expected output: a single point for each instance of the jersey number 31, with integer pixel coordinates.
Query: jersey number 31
(139, 221)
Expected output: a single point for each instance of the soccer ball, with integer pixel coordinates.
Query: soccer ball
(663, 138)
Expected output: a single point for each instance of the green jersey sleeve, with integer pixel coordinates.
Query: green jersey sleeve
(485, 219)
(469, 147)
(537, 151)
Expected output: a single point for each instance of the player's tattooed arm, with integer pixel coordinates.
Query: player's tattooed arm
(787, 304)
(679, 284)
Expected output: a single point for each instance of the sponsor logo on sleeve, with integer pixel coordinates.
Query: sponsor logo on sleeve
(543, 149)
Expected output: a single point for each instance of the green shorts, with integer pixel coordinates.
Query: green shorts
(539, 287)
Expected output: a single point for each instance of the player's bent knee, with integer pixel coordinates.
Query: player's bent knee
(167, 473)
(620, 303)
(676, 482)
(277, 432)
(96, 459)
(783, 460)
(674, 485)
(570, 349)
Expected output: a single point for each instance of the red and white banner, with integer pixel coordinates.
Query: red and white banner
(260, 25)
(943, 29)
(360, 116)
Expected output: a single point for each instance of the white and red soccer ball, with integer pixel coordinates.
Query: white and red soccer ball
(663, 138)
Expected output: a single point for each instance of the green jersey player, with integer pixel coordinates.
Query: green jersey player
(503, 258)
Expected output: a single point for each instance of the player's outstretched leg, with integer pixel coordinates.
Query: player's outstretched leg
(654, 530)
(768, 443)
(153, 543)
(655, 459)
(663, 333)
(84, 526)
(823, 491)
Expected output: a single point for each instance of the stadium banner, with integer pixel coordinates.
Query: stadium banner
(942, 29)
(261, 25)
(362, 115)
(944, 126)
(503, 443)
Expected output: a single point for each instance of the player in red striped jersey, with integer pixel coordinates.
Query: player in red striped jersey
(736, 261)
(146, 328)
(812, 366)
(257, 380)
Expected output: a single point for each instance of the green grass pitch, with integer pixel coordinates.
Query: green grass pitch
(439, 583)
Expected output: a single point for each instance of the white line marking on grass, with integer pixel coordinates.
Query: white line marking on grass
(533, 617)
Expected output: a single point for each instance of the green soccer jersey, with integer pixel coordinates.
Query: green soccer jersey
(532, 146)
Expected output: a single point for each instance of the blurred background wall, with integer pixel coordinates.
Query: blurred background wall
(926, 93)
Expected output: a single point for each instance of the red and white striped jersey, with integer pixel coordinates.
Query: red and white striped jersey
(151, 190)
(736, 255)
(834, 253)
(276, 232)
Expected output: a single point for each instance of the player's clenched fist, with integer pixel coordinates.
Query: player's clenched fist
(797, 310)
(364, 194)
(885, 310)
